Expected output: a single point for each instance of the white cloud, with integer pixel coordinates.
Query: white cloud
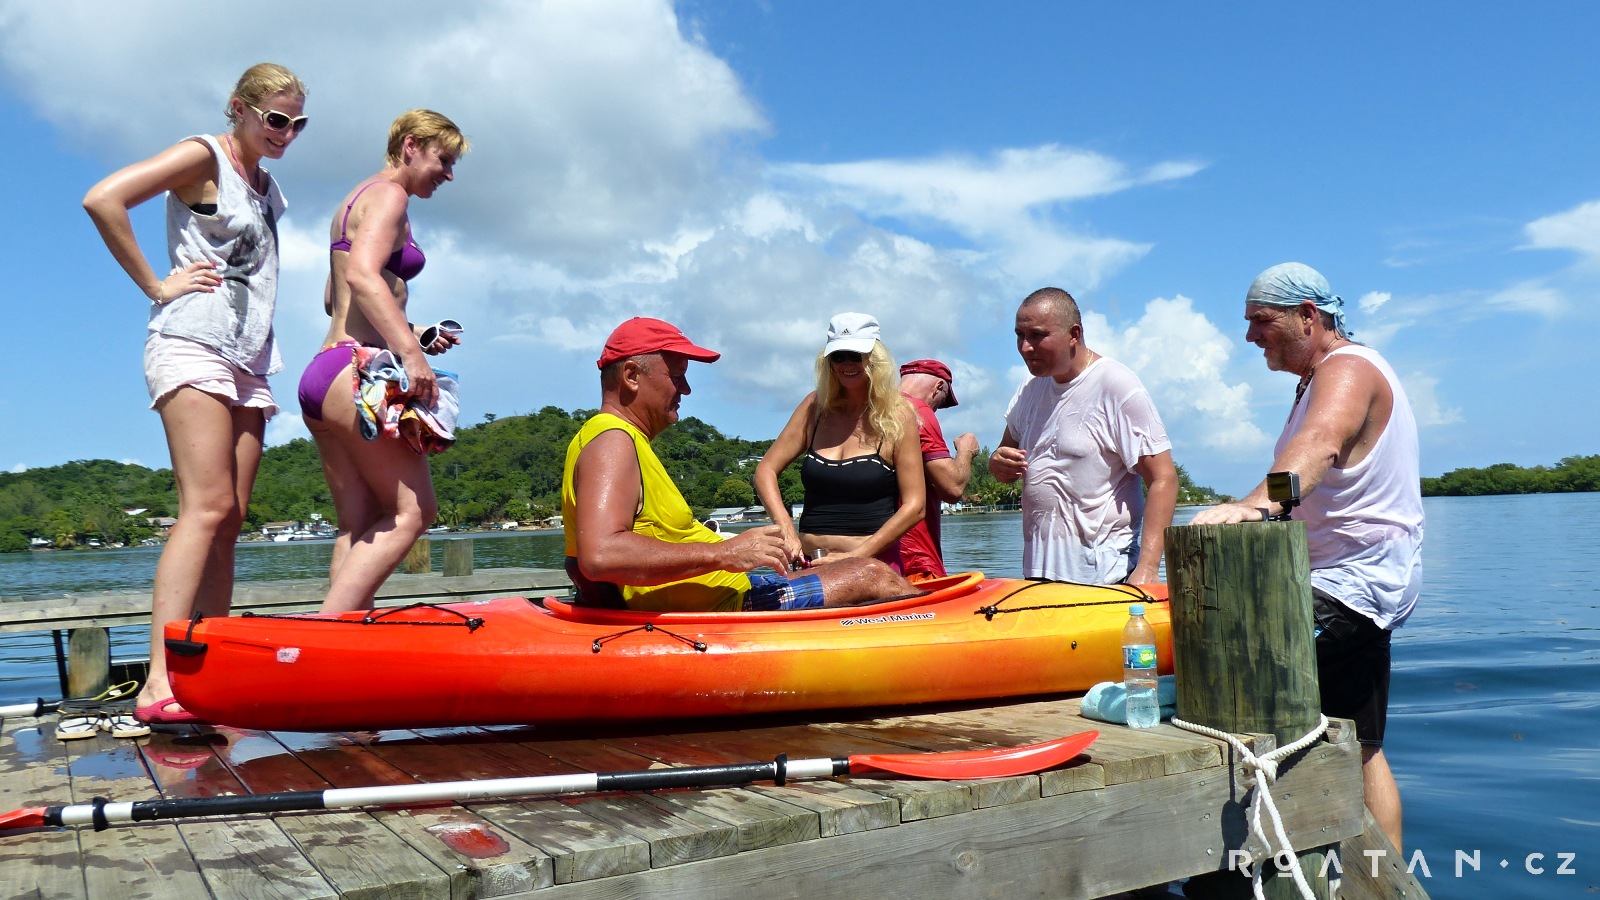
(1008, 205)
(614, 173)
(1182, 358)
(287, 425)
(585, 148)
(1423, 392)
(1536, 296)
(1371, 301)
(1575, 229)
(19, 467)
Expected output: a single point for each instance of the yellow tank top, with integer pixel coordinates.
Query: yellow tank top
(664, 515)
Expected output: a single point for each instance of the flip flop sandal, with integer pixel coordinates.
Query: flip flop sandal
(76, 727)
(117, 718)
(166, 712)
(123, 725)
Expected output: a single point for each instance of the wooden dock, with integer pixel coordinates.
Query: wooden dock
(1140, 808)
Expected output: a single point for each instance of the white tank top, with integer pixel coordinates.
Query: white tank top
(241, 237)
(1364, 523)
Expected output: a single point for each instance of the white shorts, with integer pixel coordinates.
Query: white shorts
(171, 363)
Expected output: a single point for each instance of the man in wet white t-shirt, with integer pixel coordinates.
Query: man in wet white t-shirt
(1085, 438)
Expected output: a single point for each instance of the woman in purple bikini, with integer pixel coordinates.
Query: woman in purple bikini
(209, 346)
(382, 490)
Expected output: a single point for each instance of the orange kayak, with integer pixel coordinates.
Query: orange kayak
(518, 661)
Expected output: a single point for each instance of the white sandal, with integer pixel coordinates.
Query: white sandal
(123, 725)
(77, 727)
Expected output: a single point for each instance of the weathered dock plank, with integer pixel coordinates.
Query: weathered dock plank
(134, 862)
(480, 859)
(33, 772)
(244, 857)
(917, 799)
(675, 832)
(840, 808)
(578, 847)
(353, 850)
(1066, 846)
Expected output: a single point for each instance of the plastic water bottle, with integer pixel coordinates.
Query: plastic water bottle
(1139, 669)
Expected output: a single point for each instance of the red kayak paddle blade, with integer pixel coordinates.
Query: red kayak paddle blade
(32, 817)
(996, 763)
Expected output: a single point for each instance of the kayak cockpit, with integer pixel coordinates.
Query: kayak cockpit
(934, 591)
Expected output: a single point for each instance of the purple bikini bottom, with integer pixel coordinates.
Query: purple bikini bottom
(319, 376)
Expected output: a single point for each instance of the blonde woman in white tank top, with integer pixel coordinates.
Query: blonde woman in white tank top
(209, 344)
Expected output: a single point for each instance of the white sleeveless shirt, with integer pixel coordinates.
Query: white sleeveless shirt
(242, 239)
(1364, 523)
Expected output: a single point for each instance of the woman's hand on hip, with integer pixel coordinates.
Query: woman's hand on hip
(201, 277)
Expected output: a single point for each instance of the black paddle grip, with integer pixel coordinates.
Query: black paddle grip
(150, 810)
(689, 776)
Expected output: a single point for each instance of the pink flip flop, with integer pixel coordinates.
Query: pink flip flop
(166, 712)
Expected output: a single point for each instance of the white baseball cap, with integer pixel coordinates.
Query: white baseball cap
(851, 331)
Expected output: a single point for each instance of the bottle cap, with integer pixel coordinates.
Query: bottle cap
(1136, 609)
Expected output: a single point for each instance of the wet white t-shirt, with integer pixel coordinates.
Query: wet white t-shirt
(1082, 501)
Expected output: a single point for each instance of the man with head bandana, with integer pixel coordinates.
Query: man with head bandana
(1352, 440)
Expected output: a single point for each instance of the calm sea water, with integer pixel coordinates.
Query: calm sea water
(1494, 727)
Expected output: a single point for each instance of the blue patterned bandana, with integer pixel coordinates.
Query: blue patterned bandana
(1291, 284)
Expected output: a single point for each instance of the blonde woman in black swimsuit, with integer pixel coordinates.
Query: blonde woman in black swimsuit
(862, 466)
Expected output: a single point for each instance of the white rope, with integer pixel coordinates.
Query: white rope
(1266, 769)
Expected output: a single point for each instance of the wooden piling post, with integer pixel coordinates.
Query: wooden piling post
(1244, 649)
(419, 559)
(458, 557)
(88, 661)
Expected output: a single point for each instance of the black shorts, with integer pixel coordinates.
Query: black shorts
(1352, 667)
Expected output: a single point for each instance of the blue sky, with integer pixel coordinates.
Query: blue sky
(748, 169)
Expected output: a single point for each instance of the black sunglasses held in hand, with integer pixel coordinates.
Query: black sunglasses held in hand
(278, 121)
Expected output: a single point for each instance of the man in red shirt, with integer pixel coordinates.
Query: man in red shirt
(926, 384)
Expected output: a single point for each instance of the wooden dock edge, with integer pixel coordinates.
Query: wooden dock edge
(1388, 880)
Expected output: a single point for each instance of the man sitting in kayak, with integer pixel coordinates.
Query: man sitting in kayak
(631, 540)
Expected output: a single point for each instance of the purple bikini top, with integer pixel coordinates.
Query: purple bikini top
(405, 263)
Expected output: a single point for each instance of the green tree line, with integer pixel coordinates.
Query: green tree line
(1575, 473)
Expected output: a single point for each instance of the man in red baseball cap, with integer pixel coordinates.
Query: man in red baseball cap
(927, 386)
(631, 539)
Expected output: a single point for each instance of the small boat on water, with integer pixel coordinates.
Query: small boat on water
(518, 661)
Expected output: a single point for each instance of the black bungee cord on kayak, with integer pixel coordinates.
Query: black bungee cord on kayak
(188, 646)
(994, 609)
(471, 623)
(699, 646)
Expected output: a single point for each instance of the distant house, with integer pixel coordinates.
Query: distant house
(729, 515)
(164, 523)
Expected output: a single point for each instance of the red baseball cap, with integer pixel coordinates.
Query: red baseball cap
(640, 335)
(936, 369)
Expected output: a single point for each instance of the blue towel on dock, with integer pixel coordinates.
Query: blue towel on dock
(1108, 700)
